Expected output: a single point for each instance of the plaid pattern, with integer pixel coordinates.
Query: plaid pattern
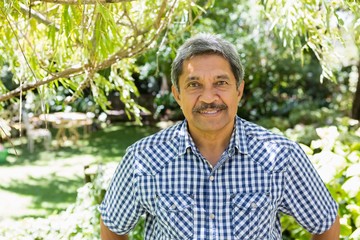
(260, 174)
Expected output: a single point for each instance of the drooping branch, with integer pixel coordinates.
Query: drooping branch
(139, 48)
(38, 16)
(72, 71)
(84, 84)
(121, 54)
(81, 2)
(161, 13)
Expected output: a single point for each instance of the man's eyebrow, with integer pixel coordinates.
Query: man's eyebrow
(222, 76)
(191, 78)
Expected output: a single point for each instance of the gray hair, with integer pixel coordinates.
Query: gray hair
(205, 43)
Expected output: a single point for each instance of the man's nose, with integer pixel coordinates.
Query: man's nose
(209, 95)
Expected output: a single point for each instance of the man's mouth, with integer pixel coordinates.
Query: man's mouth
(210, 111)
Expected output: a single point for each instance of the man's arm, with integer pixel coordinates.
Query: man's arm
(331, 234)
(106, 234)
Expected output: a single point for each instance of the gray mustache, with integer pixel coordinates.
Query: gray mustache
(209, 106)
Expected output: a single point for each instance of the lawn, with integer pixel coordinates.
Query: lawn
(44, 182)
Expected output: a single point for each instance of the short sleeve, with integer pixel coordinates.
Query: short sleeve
(306, 197)
(120, 210)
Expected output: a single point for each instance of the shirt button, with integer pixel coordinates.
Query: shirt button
(212, 178)
(253, 205)
(212, 216)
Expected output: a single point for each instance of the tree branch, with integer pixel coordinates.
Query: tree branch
(38, 16)
(75, 70)
(161, 13)
(139, 48)
(84, 84)
(81, 2)
(121, 54)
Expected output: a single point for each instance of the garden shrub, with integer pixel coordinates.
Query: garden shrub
(336, 156)
(79, 221)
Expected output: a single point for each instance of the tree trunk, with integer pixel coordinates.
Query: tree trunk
(356, 102)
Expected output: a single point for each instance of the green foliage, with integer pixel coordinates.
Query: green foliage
(316, 25)
(336, 156)
(166, 106)
(277, 83)
(52, 45)
(79, 221)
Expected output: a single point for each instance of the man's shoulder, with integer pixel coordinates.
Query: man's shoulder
(255, 132)
(162, 137)
(271, 150)
(152, 153)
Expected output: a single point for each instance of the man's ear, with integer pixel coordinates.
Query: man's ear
(240, 90)
(175, 93)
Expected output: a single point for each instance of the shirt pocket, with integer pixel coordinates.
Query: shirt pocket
(250, 216)
(175, 213)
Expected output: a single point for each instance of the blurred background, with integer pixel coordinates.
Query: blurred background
(82, 80)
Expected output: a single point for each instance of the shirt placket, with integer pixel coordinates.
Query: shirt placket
(207, 202)
(214, 200)
(212, 209)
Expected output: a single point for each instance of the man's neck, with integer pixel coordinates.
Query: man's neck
(212, 144)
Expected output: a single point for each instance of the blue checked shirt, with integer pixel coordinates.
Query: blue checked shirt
(182, 196)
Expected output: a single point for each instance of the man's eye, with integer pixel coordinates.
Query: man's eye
(221, 83)
(193, 84)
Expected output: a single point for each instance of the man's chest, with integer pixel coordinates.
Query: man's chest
(190, 200)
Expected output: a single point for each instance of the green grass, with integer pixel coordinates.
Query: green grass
(44, 182)
(49, 194)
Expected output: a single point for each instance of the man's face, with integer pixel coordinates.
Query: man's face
(207, 94)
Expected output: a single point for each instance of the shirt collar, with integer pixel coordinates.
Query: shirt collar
(237, 142)
(185, 140)
(240, 140)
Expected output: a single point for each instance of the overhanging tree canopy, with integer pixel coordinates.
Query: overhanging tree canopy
(320, 26)
(69, 41)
